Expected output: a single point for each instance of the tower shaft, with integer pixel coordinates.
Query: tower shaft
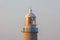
(30, 36)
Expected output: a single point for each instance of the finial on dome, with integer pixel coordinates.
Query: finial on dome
(30, 14)
(30, 10)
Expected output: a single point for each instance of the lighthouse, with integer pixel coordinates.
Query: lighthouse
(30, 30)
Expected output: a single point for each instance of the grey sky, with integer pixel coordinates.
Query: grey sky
(12, 14)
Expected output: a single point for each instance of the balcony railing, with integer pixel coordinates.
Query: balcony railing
(30, 29)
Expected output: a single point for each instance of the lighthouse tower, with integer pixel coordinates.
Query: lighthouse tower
(30, 31)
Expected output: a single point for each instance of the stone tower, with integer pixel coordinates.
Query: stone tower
(30, 31)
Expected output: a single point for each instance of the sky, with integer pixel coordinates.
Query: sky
(12, 18)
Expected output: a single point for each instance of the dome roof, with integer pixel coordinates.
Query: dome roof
(30, 14)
